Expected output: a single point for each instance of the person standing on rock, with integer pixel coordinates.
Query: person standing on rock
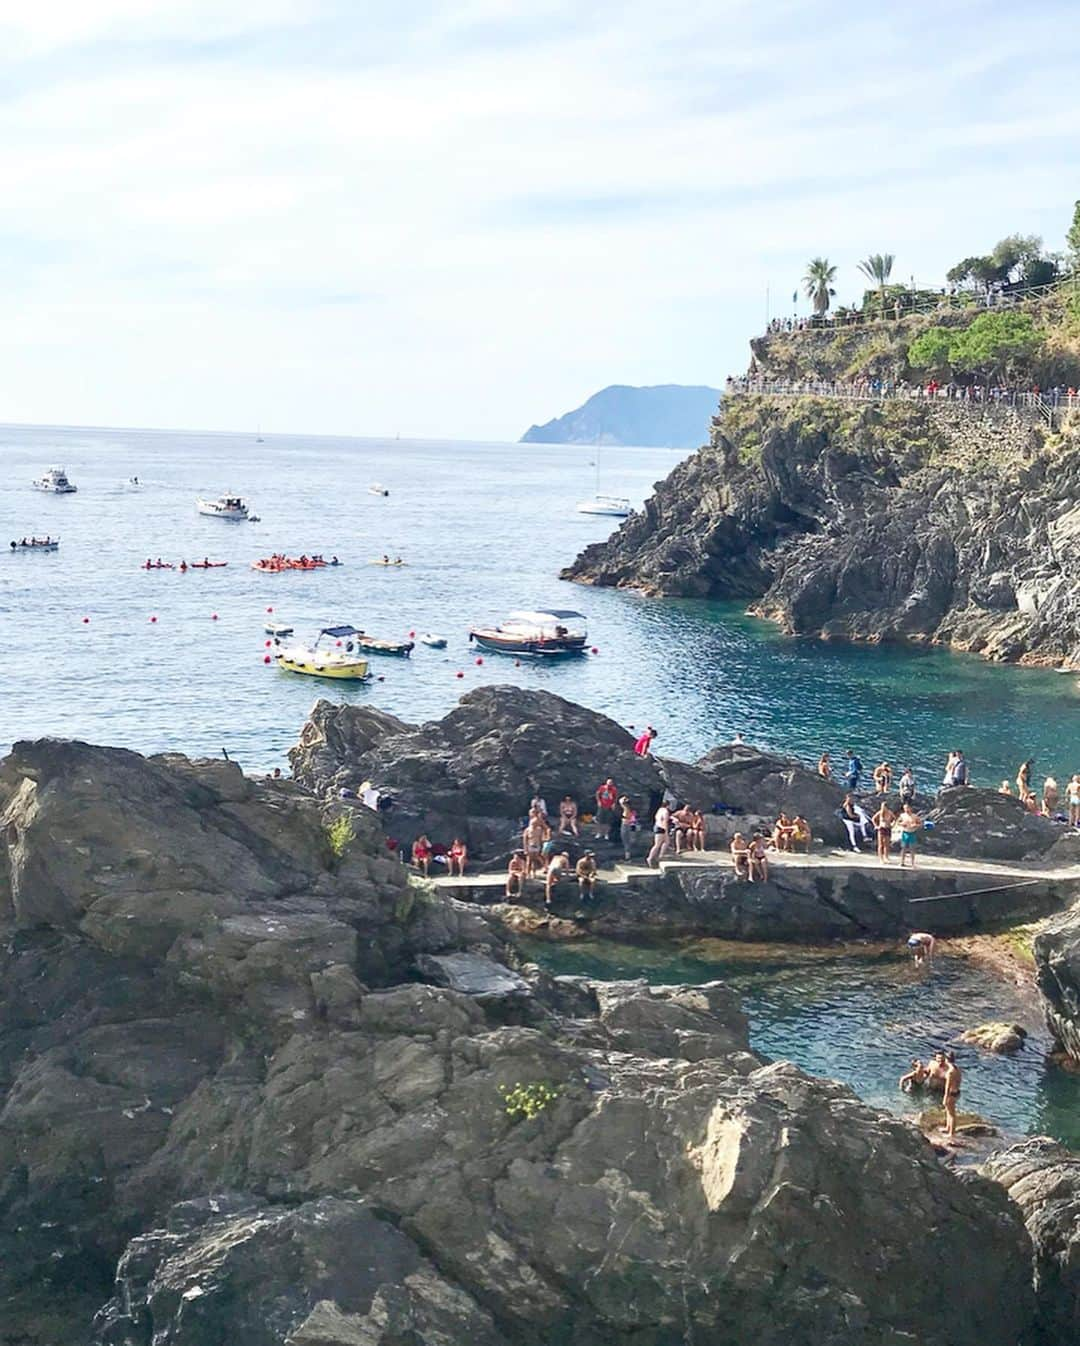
(1072, 798)
(740, 856)
(960, 769)
(883, 778)
(532, 841)
(883, 824)
(948, 780)
(910, 822)
(1051, 796)
(627, 825)
(661, 836)
(906, 786)
(606, 799)
(1023, 778)
(953, 1077)
(824, 767)
(852, 770)
(759, 858)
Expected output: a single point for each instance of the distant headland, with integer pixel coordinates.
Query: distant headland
(668, 416)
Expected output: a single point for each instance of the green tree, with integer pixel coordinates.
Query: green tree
(817, 283)
(932, 351)
(1073, 236)
(974, 271)
(878, 268)
(996, 345)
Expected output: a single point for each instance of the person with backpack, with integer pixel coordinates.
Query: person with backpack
(852, 770)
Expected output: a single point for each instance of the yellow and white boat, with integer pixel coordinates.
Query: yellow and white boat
(336, 658)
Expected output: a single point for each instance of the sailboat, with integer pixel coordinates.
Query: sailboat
(618, 506)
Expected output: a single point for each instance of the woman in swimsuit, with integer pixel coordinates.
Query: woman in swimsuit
(697, 830)
(759, 859)
(1023, 777)
(627, 825)
(824, 767)
(456, 857)
(1072, 798)
(952, 1093)
(421, 854)
(801, 835)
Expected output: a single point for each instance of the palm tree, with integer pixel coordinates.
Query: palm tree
(818, 283)
(878, 268)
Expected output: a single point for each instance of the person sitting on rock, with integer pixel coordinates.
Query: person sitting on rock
(421, 854)
(1051, 796)
(696, 832)
(644, 742)
(532, 841)
(783, 833)
(883, 778)
(759, 858)
(801, 836)
(1030, 801)
(1005, 789)
(568, 814)
(921, 944)
(740, 856)
(558, 868)
(915, 1077)
(682, 822)
(456, 857)
(855, 820)
(585, 869)
(883, 821)
(515, 875)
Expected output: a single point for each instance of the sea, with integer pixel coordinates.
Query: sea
(102, 650)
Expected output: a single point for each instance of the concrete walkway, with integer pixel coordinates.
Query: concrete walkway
(623, 874)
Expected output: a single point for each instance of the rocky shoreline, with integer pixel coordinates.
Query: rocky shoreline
(258, 1085)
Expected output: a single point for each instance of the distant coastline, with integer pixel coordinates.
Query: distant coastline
(667, 416)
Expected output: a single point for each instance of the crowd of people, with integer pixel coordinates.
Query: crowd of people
(876, 389)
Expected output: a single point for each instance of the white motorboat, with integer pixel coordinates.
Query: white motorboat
(538, 634)
(56, 482)
(433, 641)
(377, 488)
(37, 544)
(615, 505)
(225, 507)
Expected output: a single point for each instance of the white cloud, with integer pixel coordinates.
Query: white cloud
(364, 218)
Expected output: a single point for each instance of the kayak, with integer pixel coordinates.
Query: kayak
(377, 562)
(157, 565)
(207, 565)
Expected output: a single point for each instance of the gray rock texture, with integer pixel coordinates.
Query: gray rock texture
(901, 521)
(223, 1119)
(1043, 1178)
(1057, 974)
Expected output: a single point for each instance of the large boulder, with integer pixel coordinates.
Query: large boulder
(763, 784)
(1043, 1178)
(1057, 975)
(985, 825)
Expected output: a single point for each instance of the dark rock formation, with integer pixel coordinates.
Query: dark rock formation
(1057, 975)
(667, 416)
(1043, 1178)
(473, 772)
(904, 521)
(985, 825)
(209, 1077)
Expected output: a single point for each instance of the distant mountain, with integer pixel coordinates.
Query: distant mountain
(668, 416)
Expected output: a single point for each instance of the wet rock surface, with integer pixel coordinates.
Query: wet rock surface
(213, 1078)
(1057, 975)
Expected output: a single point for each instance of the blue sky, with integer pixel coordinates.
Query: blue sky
(363, 217)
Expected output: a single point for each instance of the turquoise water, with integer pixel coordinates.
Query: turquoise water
(484, 528)
(860, 1016)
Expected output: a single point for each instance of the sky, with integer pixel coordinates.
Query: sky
(372, 217)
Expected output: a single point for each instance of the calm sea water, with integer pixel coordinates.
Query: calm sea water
(861, 1016)
(484, 528)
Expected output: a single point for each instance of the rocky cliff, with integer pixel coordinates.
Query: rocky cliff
(236, 1107)
(903, 520)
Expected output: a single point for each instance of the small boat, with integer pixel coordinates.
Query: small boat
(157, 565)
(36, 544)
(373, 645)
(337, 658)
(56, 482)
(615, 505)
(377, 488)
(229, 507)
(273, 565)
(536, 634)
(278, 631)
(433, 642)
(385, 561)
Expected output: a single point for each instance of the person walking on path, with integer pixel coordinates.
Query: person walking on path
(910, 822)
(627, 824)
(661, 836)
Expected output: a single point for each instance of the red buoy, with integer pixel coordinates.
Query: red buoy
(266, 658)
(460, 674)
(86, 621)
(153, 619)
(267, 643)
(269, 609)
(595, 650)
(412, 635)
(213, 618)
(479, 659)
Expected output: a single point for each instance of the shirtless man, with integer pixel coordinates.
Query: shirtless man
(921, 945)
(824, 767)
(532, 841)
(697, 830)
(558, 867)
(661, 829)
(740, 856)
(953, 1076)
(568, 812)
(883, 820)
(585, 869)
(801, 834)
(515, 875)
(883, 778)
(682, 821)
(783, 833)
(910, 822)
